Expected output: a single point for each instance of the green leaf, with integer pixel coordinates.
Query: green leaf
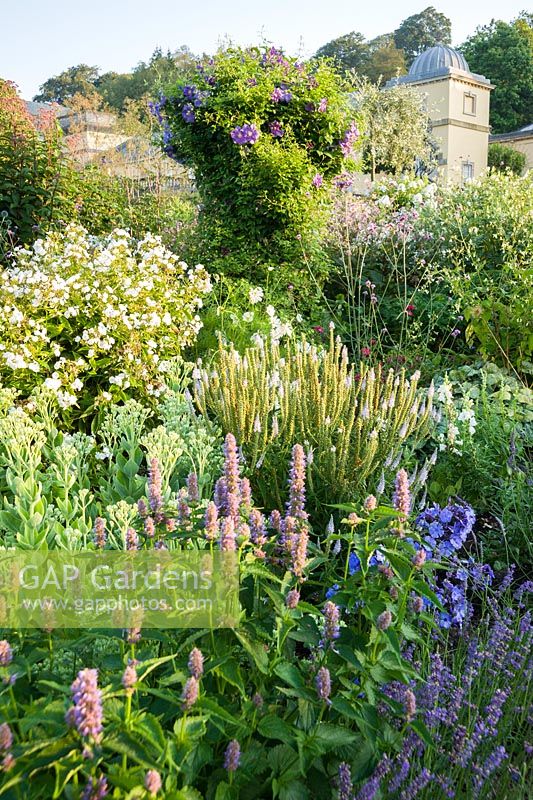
(420, 728)
(254, 648)
(273, 727)
(229, 670)
(290, 674)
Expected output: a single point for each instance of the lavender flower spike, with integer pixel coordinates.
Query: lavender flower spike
(87, 698)
(344, 782)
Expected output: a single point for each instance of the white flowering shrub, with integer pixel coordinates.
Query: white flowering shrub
(93, 318)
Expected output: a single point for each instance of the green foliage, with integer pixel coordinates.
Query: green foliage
(486, 433)
(354, 421)
(35, 178)
(504, 53)
(290, 733)
(376, 59)
(397, 136)
(420, 31)
(481, 243)
(62, 88)
(504, 158)
(259, 198)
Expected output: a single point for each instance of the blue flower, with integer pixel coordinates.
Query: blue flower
(354, 564)
(445, 620)
(332, 592)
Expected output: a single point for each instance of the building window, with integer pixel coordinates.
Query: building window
(469, 104)
(467, 171)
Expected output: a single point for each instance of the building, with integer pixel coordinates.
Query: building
(95, 137)
(521, 140)
(457, 102)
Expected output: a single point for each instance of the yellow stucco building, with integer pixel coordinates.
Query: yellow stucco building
(520, 140)
(457, 102)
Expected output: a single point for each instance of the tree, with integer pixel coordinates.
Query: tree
(420, 31)
(504, 53)
(74, 80)
(396, 128)
(349, 51)
(384, 60)
(377, 59)
(505, 158)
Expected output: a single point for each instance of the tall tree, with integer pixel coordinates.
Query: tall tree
(503, 52)
(420, 31)
(80, 79)
(349, 51)
(384, 59)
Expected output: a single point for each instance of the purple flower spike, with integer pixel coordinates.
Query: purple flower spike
(132, 539)
(231, 464)
(155, 497)
(347, 144)
(296, 504)
(196, 663)
(6, 653)
(323, 684)
(6, 737)
(129, 678)
(402, 495)
(87, 698)
(344, 782)
(331, 621)
(100, 535)
(227, 538)
(190, 693)
(317, 181)
(193, 494)
(95, 789)
(211, 522)
(232, 756)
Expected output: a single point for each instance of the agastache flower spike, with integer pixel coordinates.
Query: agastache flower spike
(196, 663)
(6, 737)
(152, 782)
(384, 620)
(292, 599)
(211, 522)
(100, 535)
(155, 497)
(323, 684)
(190, 693)
(132, 539)
(331, 621)
(227, 537)
(87, 698)
(402, 495)
(6, 653)
(192, 488)
(95, 789)
(299, 552)
(129, 678)
(296, 504)
(232, 756)
(231, 464)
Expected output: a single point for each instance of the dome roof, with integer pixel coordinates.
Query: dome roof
(437, 58)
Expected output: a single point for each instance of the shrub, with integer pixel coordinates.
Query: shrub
(482, 245)
(35, 178)
(354, 421)
(95, 318)
(264, 135)
(504, 158)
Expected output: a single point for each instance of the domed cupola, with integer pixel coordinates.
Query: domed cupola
(436, 59)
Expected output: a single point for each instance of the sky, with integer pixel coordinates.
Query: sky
(41, 38)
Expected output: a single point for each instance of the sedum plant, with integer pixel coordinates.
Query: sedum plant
(354, 421)
(93, 318)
